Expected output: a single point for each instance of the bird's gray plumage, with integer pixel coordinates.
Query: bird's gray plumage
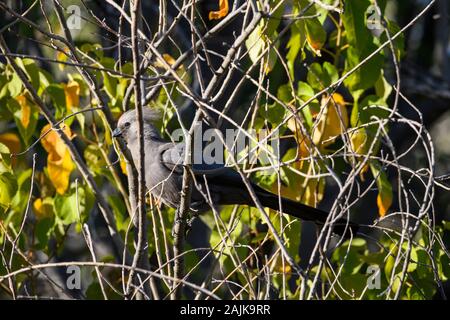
(164, 171)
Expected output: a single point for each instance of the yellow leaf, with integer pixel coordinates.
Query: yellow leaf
(315, 46)
(385, 195)
(333, 120)
(313, 191)
(358, 141)
(52, 143)
(59, 170)
(123, 166)
(286, 269)
(12, 141)
(59, 162)
(62, 56)
(25, 110)
(303, 143)
(223, 11)
(167, 58)
(384, 203)
(72, 92)
(43, 208)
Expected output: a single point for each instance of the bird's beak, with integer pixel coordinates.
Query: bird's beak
(117, 133)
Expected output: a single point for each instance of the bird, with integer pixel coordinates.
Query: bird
(221, 184)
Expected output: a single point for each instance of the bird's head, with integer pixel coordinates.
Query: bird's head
(127, 126)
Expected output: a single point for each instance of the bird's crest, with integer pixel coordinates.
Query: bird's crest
(149, 116)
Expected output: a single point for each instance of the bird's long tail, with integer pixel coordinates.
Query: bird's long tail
(305, 212)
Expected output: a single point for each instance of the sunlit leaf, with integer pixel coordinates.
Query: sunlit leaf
(315, 35)
(123, 166)
(385, 195)
(333, 120)
(12, 142)
(74, 206)
(25, 110)
(43, 208)
(8, 186)
(62, 56)
(59, 170)
(398, 43)
(72, 93)
(5, 160)
(31, 71)
(321, 77)
(359, 145)
(59, 162)
(25, 115)
(255, 43)
(296, 42)
(66, 208)
(222, 12)
(15, 85)
(382, 88)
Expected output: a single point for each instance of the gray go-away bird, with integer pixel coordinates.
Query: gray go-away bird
(224, 186)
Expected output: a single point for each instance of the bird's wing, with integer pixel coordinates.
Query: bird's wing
(172, 157)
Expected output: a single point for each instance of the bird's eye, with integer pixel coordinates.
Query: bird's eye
(127, 124)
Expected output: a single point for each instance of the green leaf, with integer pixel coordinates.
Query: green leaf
(382, 88)
(304, 91)
(412, 266)
(67, 206)
(366, 75)
(367, 110)
(58, 97)
(315, 34)
(354, 19)
(8, 187)
(350, 258)
(293, 232)
(15, 85)
(320, 77)
(361, 44)
(3, 86)
(94, 159)
(445, 265)
(255, 42)
(110, 82)
(295, 43)
(31, 70)
(331, 71)
(20, 199)
(120, 212)
(274, 113)
(398, 43)
(43, 231)
(45, 78)
(5, 159)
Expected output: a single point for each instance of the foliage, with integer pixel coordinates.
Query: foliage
(307, 89)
